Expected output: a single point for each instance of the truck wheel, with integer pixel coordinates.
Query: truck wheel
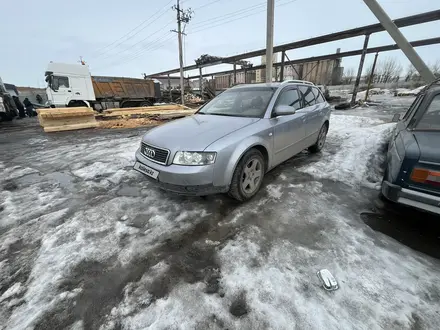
(146, 104)
(317, 147)
(5, 117)
(248, 176)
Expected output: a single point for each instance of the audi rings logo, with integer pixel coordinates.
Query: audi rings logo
(149, 152)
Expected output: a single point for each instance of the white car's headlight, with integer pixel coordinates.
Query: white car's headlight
(194, 158)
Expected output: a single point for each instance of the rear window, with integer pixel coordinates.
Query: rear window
(431, 118)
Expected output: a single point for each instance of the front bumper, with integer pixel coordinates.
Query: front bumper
(183, 180)
(411, 197)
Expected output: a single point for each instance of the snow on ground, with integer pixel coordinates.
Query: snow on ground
(88, 243)
(268, 276)
(358, 139)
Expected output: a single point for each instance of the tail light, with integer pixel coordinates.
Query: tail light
(426, 176)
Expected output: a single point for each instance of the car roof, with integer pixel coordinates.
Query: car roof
(271, 85)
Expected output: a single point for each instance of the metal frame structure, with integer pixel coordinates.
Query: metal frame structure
(356, 32)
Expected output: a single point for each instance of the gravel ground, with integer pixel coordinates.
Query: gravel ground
(88, 243)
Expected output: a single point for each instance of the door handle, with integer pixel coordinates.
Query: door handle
(69, 90)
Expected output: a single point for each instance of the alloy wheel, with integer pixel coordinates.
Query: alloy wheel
(251, 176)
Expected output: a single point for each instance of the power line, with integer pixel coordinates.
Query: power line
(227, 19)
(133, 35)
(144, 49)
(150, 35)
(140, 41)
(152, 48)
(207, 4)
(231, 14)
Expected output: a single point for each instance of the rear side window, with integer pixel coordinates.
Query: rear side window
(308, 96)
(318, 94)
(431, 118)
(291, 98)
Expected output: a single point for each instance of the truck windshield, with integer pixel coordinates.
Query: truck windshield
(240, 102)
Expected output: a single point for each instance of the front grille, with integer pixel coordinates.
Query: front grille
(158, 155)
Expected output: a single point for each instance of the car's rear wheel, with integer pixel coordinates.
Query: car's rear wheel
(248, 176)
(317, 147)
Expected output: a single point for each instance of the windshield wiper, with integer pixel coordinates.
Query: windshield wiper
(223, 114)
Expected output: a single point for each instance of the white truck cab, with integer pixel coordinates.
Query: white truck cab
(68, 83)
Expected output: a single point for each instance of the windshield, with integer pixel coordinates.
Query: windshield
(240, 102)
(431, 118)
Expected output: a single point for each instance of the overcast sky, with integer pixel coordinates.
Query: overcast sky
(37, 32)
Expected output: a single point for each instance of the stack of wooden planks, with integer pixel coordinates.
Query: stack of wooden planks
(63, 119)
(165, 111)
(66, 119)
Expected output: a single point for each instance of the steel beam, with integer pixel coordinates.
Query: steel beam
(418, 43)
(400, 40)
(282, 65)
(201, 82)
(370, 80)
(356, 32)
(169, 86)
(361, 67)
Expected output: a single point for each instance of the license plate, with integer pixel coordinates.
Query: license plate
(146, 170)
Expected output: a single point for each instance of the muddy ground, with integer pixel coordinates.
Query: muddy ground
(88, 243)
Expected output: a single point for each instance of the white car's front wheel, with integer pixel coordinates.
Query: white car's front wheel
(248, 176)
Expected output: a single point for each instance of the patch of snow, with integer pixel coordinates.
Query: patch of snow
(16, 172)
(274, 191)
(359, 139)
(298, 185)
(14, 290)
(28, 202)
(212, 243)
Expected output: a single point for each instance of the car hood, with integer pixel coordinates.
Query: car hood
(429, 143)
(196, 132)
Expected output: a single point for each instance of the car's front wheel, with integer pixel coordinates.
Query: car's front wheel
(248, 176)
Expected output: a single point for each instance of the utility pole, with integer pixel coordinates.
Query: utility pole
(400, 40)
(269, 39)
(183, 16)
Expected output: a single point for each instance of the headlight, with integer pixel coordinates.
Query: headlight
(194, 158)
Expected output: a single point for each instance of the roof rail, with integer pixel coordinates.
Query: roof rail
(298, 82)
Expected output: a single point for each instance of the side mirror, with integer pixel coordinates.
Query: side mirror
(396, 118)
(284, 110)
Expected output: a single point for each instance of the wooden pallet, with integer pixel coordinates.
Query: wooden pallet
(66, 119)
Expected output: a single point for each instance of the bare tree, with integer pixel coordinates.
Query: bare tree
(389, 70)
(435, 68)
(348, 76)
(410, 72)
